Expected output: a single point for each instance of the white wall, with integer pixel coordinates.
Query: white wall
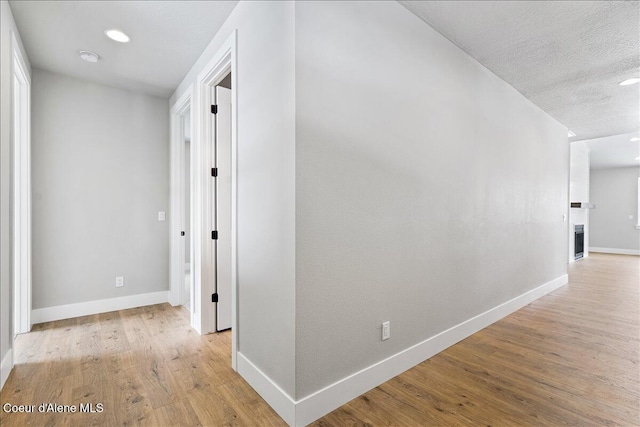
(7, 27)
(427, 189)
(266, 182)
(391, 177)
(579, 192)
(615, 193)
(100, 175)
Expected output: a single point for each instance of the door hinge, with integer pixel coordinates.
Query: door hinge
(214, 109)
(214, 234)
(214, 297)
(214, 172)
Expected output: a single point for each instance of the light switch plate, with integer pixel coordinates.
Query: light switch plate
(386, 330)
(161, 216)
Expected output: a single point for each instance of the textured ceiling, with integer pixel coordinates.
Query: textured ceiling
(613, 151)
(567, 57)
(167, 37)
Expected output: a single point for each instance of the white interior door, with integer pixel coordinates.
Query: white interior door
(223, 208)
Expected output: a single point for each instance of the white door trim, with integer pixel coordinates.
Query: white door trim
(223, 62)
(177, 213)
(21, 178)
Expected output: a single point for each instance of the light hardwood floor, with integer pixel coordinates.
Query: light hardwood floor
(145, 365)
(570, 358)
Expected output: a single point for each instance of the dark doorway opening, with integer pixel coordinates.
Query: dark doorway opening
(579, 241)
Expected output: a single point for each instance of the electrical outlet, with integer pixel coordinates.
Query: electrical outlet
(564, 217)
(630, 216)
(119, 282)
(386, 330)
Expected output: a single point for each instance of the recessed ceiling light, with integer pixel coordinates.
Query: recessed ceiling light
(89, 56)
(571, 134)
(117, 35)
(634, 139)
(638, 158)
(630, 81)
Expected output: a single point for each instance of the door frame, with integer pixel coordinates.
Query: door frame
(198, 96)
(223, 63)
(178, 200)
(21, 189)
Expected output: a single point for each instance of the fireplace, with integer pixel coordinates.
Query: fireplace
(579, 241)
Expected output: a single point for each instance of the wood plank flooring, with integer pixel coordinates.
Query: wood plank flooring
(145, 365)
(570, 358)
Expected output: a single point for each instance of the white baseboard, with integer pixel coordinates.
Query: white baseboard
(5, 367)
(326, 400)
(308, 409)
(69, 311)
(277, 398)
(615, 251)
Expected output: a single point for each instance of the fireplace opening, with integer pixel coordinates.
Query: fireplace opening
(579, 241)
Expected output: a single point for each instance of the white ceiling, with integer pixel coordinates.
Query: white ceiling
(167, 37)
(613, 151)
(566, 56)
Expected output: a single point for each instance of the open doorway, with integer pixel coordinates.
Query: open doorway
(212, 238)
(181, 265)
(186, 183)
(217, 195)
